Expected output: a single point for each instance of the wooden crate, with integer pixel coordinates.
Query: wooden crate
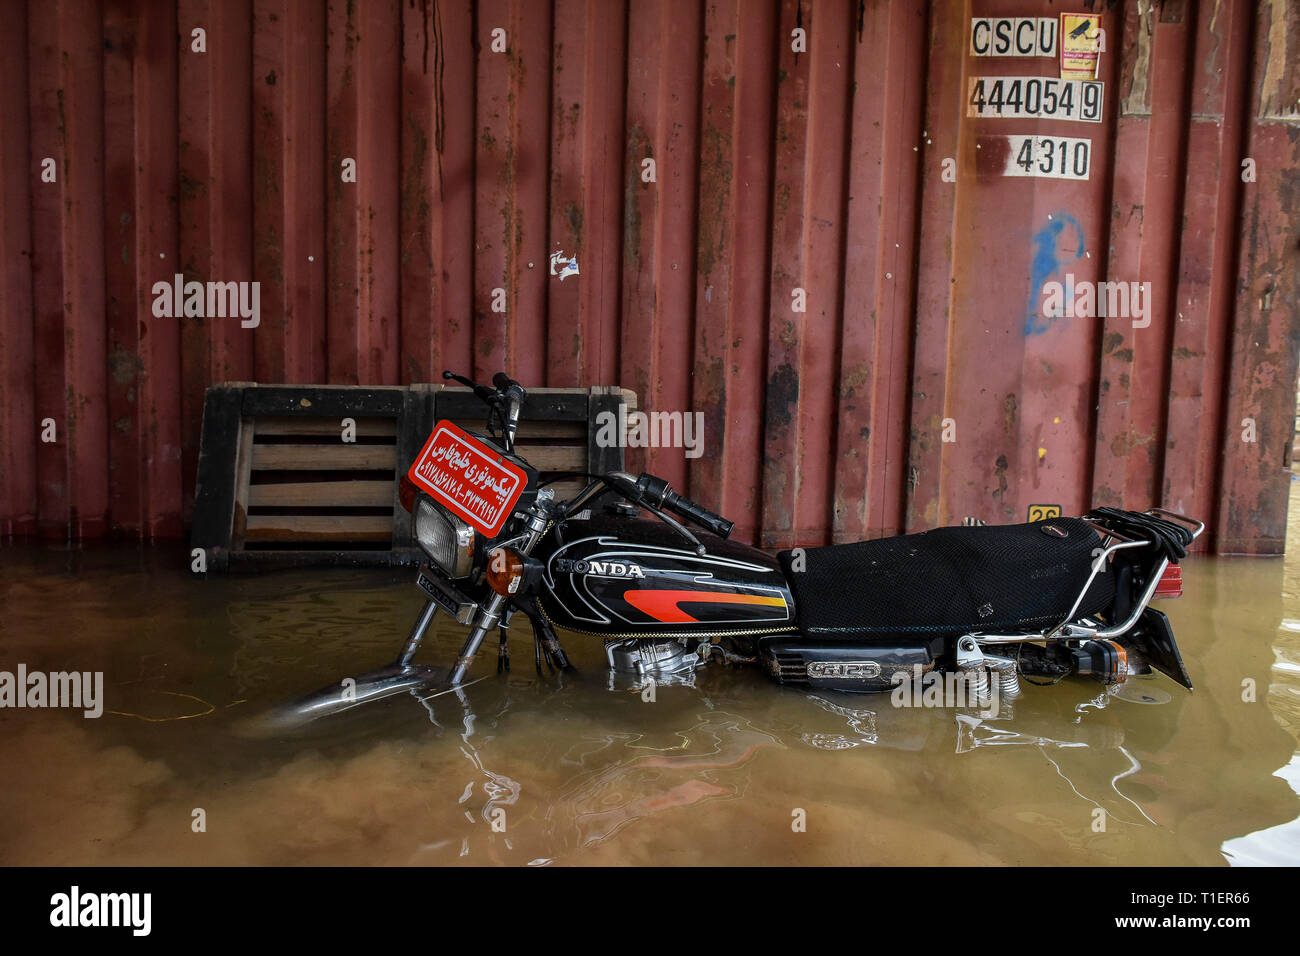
(279, 485)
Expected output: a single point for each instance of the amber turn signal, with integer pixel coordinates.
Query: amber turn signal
(505, 571)
(406, 492)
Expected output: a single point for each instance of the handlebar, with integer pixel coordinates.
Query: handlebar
(660, 494)
(483, 392)
(508, 387)
(505, 399)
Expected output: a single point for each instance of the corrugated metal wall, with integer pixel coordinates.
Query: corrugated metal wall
(775, 171)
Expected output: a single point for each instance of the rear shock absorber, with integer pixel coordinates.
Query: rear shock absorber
(974, 667)
(1004, 669)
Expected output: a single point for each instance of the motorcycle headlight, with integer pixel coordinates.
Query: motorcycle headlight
(448, 541)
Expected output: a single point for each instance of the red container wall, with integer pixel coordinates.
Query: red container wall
(783, 215)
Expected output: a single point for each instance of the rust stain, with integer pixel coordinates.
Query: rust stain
(1274, 103)
(991, 156)
(124, 366)
(1000, 469)
(638, 148)
(415, 197)
(1137, 102)
(715, 193)
(782, 397)
(573, 216)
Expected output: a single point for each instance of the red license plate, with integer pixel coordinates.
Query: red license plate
(468, 478)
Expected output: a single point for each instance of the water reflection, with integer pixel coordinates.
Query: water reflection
(1274, 846)
(576, 770)
(1280, 844)
(861, 723)
(626, 779)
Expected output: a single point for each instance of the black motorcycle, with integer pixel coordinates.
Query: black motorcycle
(1043, 600)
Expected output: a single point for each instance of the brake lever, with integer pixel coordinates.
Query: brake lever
(626, 486)
(448, 373)
(484, 392)
(673, 523)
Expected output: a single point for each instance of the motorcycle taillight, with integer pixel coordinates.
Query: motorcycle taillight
(1170, 584)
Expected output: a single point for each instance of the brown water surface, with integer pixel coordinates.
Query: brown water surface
(572, 772)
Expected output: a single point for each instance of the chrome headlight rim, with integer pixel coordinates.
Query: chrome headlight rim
(430, 519)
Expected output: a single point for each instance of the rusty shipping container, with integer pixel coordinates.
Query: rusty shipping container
(807, 220)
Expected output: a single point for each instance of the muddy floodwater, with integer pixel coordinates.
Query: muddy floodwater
(526, 771)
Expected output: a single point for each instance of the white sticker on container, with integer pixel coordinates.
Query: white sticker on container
(1040, 97)
(1046, 157)
(1013, 36)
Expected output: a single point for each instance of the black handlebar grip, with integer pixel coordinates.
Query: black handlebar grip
(701, 515)
(508, 386)
(660, 494)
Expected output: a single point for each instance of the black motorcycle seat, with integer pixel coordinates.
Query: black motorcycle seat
(998, 579)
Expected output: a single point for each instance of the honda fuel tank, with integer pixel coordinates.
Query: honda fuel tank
(613, 574)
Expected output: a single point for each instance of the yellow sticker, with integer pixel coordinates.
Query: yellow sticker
(1081, 45)
(1043, 512)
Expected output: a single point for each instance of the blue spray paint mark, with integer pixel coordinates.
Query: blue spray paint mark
(1047, 262)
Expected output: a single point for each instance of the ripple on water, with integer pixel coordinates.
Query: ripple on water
(523, 770)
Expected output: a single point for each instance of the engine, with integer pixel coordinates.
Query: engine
(665, 660)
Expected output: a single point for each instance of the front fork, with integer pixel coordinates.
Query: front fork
(489, 614)
(488, 617)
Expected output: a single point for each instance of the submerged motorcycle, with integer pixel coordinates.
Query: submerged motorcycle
(1040, 601)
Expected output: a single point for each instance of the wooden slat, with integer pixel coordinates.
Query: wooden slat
(268, 556)
(319, 528)
(539, 429)
(323, 457)
(316, 401)
(322, 494)
(541, 405)
(214, 506)
(566, 489)
(547, 390)
(554, 457)
(289, 425)
(598, 460)
(574, 430)
(243, 472)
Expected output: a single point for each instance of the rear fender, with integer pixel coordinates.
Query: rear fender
(1153, 639)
